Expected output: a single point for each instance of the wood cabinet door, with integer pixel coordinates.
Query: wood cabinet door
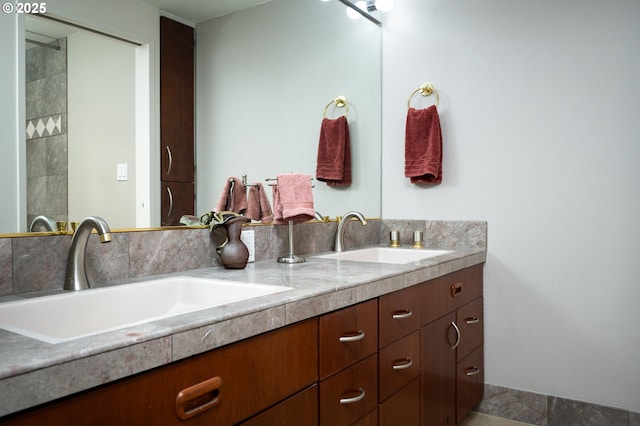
(398, 314)
(403, 408)
(470, 321)
(178, 199)
(347, 336)
(438, 372)
(470, 383)
(398, 363)
(300, 409)
(350, 394)
(176, 101)
(254, 374)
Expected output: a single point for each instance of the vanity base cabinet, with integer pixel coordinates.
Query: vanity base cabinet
(451, 339)
(221, 387)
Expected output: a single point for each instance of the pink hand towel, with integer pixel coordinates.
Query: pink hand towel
(423, 146)
(293, 198)
(233, 197)
(334, 152)
(258, 207)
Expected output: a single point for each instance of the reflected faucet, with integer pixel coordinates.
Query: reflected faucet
(47, 222)
(76, 277)
(339, 242)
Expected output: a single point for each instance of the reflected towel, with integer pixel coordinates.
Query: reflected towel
(334, 152)
(258, 206)
(293, 198)
(233, 197)
(423, 146)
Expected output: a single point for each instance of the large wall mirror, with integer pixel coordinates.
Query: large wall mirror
(263, 77)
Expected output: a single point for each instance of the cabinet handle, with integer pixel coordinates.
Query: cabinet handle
(402, 314)
(406, 364)
(455, 345)
(472, 320)
(456, 289)
(170, 201)
(360, 397)
(198, 398)
(472, 371)
(355, 338)
(170, 160)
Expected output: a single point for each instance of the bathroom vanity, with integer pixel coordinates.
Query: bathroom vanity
(351, 343)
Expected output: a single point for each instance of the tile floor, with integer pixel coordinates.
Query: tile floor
(479, 419)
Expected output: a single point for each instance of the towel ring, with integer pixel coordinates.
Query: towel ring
(425, 90)
(341, 102)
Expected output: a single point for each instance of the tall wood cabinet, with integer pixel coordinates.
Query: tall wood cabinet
(177, 115)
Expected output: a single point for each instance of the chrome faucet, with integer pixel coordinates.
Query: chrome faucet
(76, 277)
(47, 222)
(339, 242)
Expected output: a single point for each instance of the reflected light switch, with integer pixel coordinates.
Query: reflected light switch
(122, 171)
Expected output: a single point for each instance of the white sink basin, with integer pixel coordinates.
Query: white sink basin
(69, 316)
(385, 255)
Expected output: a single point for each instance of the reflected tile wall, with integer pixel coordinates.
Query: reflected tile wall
(46, 131)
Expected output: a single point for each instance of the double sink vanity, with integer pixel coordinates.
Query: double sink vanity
(364, 336)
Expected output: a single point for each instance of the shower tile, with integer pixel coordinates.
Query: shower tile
(6, 267)
(57, 155)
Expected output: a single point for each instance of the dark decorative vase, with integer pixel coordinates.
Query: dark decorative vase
(233, 253)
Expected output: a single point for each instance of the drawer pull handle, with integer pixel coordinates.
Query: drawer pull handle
(456, 289)
(402, 314)
(455, 345)
(472, 320)
(170, 157)
(355, 338)
(472, 371)
(360, 397)
(170, 202)
(198, 398)
(406, 364)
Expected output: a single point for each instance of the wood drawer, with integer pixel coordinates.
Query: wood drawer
(469, 383)
(398, 363)
(283, 362)
(447, 293)
(350, 394)
(347, 336)
(301, 409)
(403, 408)
(371, 419)
(470, 322)
(398, 314)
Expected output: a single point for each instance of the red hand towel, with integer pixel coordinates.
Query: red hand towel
(423, 146)
(233, 197)
(258, 207)
(293, 199)
(334, 152)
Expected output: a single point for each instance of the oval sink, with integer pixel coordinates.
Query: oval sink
(385, 255)
(69, 316)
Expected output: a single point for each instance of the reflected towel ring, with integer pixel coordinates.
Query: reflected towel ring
(341, 102)
(425, 90)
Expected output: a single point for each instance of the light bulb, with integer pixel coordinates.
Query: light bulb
(352, 14)
(384, 5)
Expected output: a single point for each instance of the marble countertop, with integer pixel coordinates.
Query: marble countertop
(33, 372)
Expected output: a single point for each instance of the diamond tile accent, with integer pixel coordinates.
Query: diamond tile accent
(45, 126)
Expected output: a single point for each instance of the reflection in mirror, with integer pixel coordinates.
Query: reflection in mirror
(292, 58)
(80, 123)
(259, 108)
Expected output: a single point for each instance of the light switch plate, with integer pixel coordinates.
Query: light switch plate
(248, 238)
(122, 171)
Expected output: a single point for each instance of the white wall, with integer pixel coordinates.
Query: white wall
(264, 76)
(540, 111)
(11, 132)
(101, 123)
